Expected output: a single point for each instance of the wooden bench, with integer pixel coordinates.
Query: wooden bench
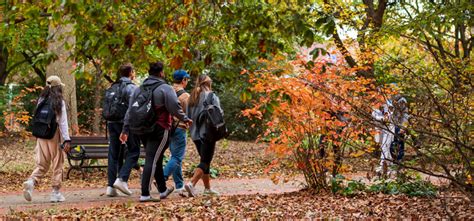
(86, 148)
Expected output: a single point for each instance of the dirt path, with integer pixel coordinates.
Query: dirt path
(86, 198)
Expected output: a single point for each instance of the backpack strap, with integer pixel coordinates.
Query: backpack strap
(40, 105)
(122, 87)
(180, 92)
(209, 99)
(151, 88)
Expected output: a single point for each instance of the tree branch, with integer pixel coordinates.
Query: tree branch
(22, 19)
(378, 16)
(347, 55)
(15, 66)
(39, 71)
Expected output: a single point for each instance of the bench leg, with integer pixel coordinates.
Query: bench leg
(77, 167)
(71, 167)
(68, 172)
(83, 173)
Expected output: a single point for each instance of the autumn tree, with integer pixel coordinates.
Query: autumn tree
(23, 39)
(314, 111)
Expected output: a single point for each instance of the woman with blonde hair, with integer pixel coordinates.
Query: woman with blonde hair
(201, 93)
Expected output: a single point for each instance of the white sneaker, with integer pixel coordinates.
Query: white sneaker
(190, 189)
(111, 192)
(181, 192)
(28, 187)
(210, 192)
(122, 186)
(144, 199)
(56, 196)
(165, 194)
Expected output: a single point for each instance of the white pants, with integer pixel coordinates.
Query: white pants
(385, 155)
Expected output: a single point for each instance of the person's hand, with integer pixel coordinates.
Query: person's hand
(67, 147)
(189, 122)
(123, 137)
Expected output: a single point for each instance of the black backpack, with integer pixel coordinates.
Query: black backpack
(213, 121)
(44, 121)
(141, 113)
(115, 106)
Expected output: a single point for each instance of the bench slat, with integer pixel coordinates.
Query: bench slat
(78, 140)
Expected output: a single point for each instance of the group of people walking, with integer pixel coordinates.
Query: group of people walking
(156, 114)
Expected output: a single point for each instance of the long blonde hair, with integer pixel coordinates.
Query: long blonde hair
(203, 83)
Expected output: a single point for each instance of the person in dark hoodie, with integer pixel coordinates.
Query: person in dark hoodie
(166, 104)
(118, 174)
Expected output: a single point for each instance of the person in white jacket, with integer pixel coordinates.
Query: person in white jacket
(50, 152)
(386, 136)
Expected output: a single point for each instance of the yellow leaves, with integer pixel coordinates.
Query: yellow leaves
(469, 179)
(275, 178)
(184, 21)
(358, 153)
(24, 119)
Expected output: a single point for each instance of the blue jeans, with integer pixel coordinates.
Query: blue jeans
(115, 156)
(178, 149)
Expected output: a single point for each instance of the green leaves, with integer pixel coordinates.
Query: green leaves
(325, 25)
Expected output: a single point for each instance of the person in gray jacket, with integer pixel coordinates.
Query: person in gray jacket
(126, 74)
(165, 104)
(205, 148)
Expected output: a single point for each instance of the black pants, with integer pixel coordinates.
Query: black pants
(397, 147)
(206, 152)
(155, 145)
(116, 154)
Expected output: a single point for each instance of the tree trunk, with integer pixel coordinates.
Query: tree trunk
(97, 105)
(3, 64)
(63, 68)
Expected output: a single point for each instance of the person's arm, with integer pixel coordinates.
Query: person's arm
(377, 115)
(63, 127)
(126, 119)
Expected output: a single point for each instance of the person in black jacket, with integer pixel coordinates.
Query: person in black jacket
(119, 181)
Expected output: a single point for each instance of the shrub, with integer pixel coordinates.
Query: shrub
(312, 108)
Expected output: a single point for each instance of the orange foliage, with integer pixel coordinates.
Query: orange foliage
(306, 99)
(16, 118)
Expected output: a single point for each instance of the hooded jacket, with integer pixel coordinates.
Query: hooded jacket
(165, 103)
